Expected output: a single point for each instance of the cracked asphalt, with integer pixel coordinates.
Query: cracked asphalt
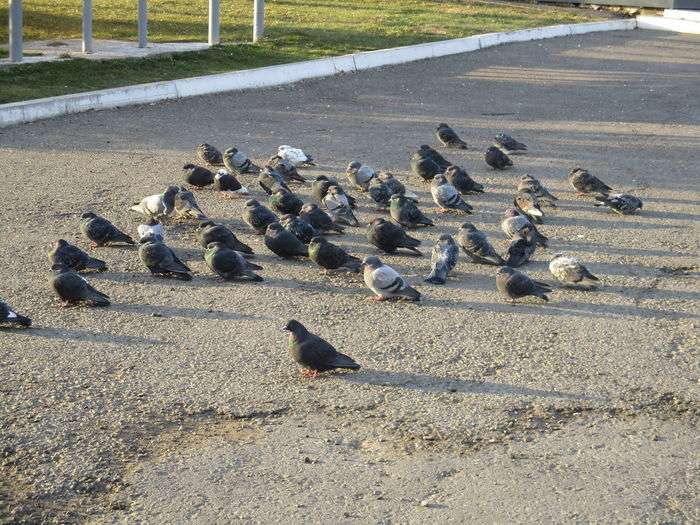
(180, 403)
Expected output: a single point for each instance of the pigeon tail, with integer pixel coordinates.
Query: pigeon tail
(589, 275)
(96, 298)
(437, 276)
(344, 361)
(410, 293)
(123, 237)
(96, 264)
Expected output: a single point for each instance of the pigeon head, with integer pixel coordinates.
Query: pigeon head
(354, 165)
(252, 203)
(396, 197)
(171, 190)
(231, 151)
(511, 212)
(505, 270)
(152, 222)
(442, 125)
(287, 218)
(295, 327)
(221, 173)
(377, 221)
(439, 180)
(60, 268)
(204, 224)
(189, 167)
(216, 245)
(527, 177)
(492, 149)
(385, 176)
(151, 237)
(372, 261)
(425, 147)
(446, 238)
(88, 215)
(320, 178)
(334, 190)
(274, 227)
(59, 243)
(468, 226)
(309, 207)
(558, 255)
(318, 239)
(500, 136)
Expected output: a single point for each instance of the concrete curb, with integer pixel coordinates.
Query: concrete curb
(44, 108)
(662, 23)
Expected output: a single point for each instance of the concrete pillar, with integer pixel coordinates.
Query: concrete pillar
(15, 30)
(143, 23)
(214, 22)
(258, 19)
(87, 26)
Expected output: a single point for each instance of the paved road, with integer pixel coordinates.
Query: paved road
(179, 402)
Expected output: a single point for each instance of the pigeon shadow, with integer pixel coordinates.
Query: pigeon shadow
(99, 337)
(177, 311)
(427, 383)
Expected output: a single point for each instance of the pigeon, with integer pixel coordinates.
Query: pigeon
(284, 202)
(526, 202)
(228, 184)
(621, 203)
(443, 260)
(258, 216)
(186, 206)
(425, 167)
(197, 176)
(359, 175)
(209, 155)
(495, 158)
(302, 230)
(151, 227)
(514, 224)
(476, 246)
(427, 152)
(531, 184)
(447, 136)
(380, 193)
(230, 264)
(331, 257)
(520, 250)
(74, 258)
(102, 232)
(584, 183)
(159, 205)
(319, 219)
(8, 317)
(446, 196)
(295, 155)
(209, 232)
(319, 189)
(161, 260)
(461, 180)
(514, 284)
(314, 354)
(283, 243)
(237, 162)
(270, 180)
(508, 144)
(388, 237)
(393, 184)
(569, 270)
(74, 289)
(338, 207)
(405, 211)
(286, 169)
(385, 282)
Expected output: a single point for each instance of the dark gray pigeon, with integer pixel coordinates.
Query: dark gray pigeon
(520, 250)
(314, 354)
(237, 162)
(620, 203)
(405, 211)
(10, 318)
(446, 196)
(102, 232)
(161, 260)
(228, 185)
(209, 155)
(515, 223)
(393, 184)
(425, 167)
(197, 176)
(476, 246)
(427, 152)
(534, 186)
(74, 258)
(302, 230)
(584, 183)
(527, 203)
(443, 260)
(319, 189)
(331, 257)
(258, 216)
(461, 180)
(230, 264)
(209, 232)
(319, 219)
(386, 283)
(380, 193)
(388, 237)
(495, 158)
(508, 144)
(514, 284)
(570, 271)
(284, 202)
(283, 243)
(186, 206)
(74, 289)
(449, 138)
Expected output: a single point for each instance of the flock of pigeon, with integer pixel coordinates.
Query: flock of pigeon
(294, 228)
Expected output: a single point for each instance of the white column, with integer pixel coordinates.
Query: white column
(258, 19)
(214, 21)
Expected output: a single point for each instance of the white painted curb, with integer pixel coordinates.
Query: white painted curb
(32, 110)
(682, 14)
(661, 23)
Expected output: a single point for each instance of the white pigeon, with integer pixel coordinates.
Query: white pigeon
(570, 270)
(294, 155)
(159, 205)
(151, 228)
(385, 282)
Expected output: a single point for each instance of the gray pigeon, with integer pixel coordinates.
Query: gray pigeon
(405, 211)
(495, 158)
(388, 237)
(283, 243)
(186, 206)
(284, 202)
(197, 176)
(209, 155)
(476, 246)
(159, 205)
(584, 183)
(461, 180)
(526, 202)
(338, 207)
(331, 257)
(270, 180)
(209, 232)
(161, 260)
(392, 183)
(446, 196)
(258, 216)
(385, 282)
(425, 167)
(286, 169)
(102, 232)
(302, 230)
(230, 264)
(314, 354)
(620, 203)
(534, 186)
(74, 289)
(380, 193)
(514, 284)
(151, 227)
(444, 259)
(8, 317)
(449, 138)
(319, 219)
(359, 175)
(74, 258)
(520, 250)
(508, 144)
(237, 162)
(514, 224)
(569, 270)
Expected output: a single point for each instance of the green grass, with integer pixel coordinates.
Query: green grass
(295, 30)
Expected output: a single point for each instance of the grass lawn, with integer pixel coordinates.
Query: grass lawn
(295, 30)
